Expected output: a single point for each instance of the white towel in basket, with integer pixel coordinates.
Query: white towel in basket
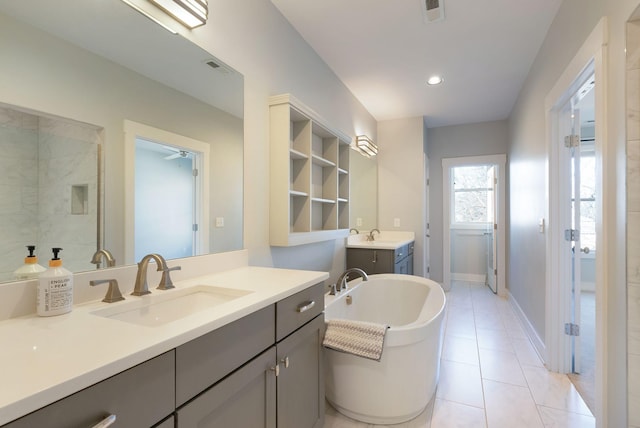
(364, 339)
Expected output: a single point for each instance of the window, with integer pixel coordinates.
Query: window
(473, 195)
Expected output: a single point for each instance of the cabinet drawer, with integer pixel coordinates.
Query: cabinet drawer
(297, 310)
(139, 397)
(401, 253)
(207, 359)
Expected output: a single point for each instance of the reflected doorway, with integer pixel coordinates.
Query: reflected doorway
(166, 194)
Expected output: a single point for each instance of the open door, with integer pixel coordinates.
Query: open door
(492, 229)
(571, 250)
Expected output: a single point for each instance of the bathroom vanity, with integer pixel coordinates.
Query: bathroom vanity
(388, 252)
(252, 361)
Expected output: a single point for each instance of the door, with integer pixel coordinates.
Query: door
(571, 250)
(492, 228)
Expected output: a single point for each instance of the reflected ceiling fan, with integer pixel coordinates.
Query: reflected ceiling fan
(178, 154)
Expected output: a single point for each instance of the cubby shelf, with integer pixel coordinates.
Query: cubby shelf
(309, 180)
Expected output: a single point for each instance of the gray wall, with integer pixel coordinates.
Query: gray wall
(401, 180)
(475, 139)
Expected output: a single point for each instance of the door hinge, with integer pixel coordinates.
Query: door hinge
(572, 141)
(195, 227)
(571, 235)
(572, 329)
(495, 226)
(428, 269)
(195, 172)
(495, 272)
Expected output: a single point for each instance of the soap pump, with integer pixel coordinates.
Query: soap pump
(31, 269)
(55, 288)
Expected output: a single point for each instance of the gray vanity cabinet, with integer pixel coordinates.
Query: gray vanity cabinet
(262, 370)
(282, 387)
(374, 261)
(139, 397)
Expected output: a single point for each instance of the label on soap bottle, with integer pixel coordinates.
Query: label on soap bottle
(55, 295)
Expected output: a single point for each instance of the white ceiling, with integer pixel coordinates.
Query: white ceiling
(383, 52)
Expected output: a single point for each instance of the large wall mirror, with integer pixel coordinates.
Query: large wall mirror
(73, 74)
(363, 196)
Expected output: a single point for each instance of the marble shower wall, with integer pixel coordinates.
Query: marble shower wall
(48, 189)
(633, 221)
(18, 187)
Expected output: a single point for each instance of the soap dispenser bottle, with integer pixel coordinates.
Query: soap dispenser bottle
(55, 288)
(31, 269)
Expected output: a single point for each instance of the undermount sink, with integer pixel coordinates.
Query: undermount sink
(166, 306)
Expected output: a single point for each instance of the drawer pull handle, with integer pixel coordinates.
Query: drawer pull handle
(106, 422)
(306, 306)
(285, 361)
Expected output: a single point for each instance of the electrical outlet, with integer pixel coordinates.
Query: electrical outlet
(219, 221)
(359, 221)
(396, 222)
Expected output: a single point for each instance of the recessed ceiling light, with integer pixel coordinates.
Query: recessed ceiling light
(435, 80)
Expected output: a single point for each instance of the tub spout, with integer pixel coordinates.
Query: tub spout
(341, 283)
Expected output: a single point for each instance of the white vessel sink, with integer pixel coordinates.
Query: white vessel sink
(163, 307)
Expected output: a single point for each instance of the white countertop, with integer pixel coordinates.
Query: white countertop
(44, 359)
(385, 240)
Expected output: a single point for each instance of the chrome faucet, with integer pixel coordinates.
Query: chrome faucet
(370, 237)
(353, 229)
(98, 255)
(341, 283)
(141, 288)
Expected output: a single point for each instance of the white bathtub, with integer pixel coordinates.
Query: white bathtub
(399, 386)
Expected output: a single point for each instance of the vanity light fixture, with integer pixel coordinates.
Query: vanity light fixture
(435, 80)
(366, 146)
(190, 13)
(149, 16)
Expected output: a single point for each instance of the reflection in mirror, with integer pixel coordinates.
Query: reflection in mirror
(91, 71)
(363, 199)
(49, 175)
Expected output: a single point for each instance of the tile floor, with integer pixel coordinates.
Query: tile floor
(490, 375)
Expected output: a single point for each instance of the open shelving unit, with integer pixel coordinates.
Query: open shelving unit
(309, 185)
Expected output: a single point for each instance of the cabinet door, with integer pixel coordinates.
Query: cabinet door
(371, 261)
(138, 397)
(402, 266)
(301, 381)
(244, 399)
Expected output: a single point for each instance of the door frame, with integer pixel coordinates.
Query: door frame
(133, 130)
(590, 60)
(447, 163)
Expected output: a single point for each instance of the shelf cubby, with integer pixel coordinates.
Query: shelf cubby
(309, 175)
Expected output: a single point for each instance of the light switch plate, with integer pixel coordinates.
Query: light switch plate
(396, 222)
(219, 221)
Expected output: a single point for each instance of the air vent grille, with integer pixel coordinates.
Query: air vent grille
(432, 10)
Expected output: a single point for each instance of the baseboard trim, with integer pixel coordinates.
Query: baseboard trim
(471, 277)
(536, 341)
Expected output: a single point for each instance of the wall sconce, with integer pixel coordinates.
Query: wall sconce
(366, 146)
(190, 13)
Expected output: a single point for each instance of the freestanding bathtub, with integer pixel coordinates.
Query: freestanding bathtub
(399, 386)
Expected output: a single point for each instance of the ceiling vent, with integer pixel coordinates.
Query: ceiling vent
(432, 10)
